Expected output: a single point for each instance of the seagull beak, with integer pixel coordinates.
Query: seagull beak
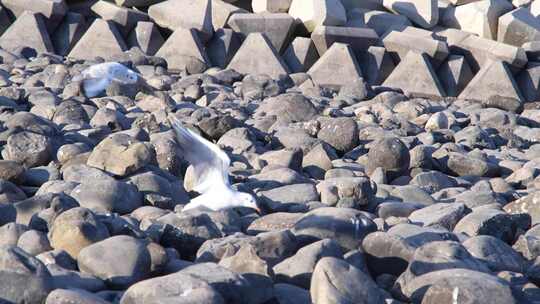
(258, 210)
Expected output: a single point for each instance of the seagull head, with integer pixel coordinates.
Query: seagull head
(131, 76)
(124, 75)
(247, 200)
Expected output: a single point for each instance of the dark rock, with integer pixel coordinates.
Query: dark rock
(120, 260)
(273, 247)
(10, 193)
(107, 196)
(178, 287)
(232, 287)
(75, 229)
(354, 192)
(496, 254)
(433, 181)
(336, 281)
(186, 232)
(19, 269)
(476, 285)
(298, 269)
(29, 148)
(346, 226)
(487, 222)
(440, 214)
(340, 133)
(34, 242)
(391, 155)
(440, 255)
(290, 294)
(64, 296)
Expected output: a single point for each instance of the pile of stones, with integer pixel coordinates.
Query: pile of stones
(393, 147)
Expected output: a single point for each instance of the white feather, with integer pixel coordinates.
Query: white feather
(98, 77)
(209, 162)
(210, 165)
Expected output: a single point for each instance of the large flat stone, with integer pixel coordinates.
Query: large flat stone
(359, 39)
(415, 75)
(336, 68)
(29, 30)
(364, 4)
(222, 11)
(479, 17)
(277, 27)
(379, 21)
(173, 14)
(136, 3)
(267, 60)
(480, 51)
(102, 39)
(424, 13)
(399, 44)
(124, 18)
(184, 51)
(318, 12)
(271, 6)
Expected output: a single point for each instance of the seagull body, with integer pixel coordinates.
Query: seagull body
(210, 166)
(95, 79)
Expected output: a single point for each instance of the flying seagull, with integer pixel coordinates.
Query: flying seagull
(210, 166)
(96, 78)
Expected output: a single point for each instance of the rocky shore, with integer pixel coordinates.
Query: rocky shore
(393, 148)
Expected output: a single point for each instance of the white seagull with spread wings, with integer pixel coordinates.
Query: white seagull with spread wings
(210, 165)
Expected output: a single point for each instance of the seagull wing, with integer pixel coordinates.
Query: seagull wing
(209, 162)
(94, 86)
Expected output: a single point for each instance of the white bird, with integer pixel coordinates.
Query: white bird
(96, 78)
(210, 165)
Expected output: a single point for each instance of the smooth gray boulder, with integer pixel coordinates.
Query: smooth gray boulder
(336, 281)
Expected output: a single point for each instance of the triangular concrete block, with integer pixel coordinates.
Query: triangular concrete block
(454, 74)
(222, 11)
(258, 56)
(277, 27)
(495, 79)
(29, 30)
(124, 18)
(68, 33)
(5, 22)
(184, 51)
(415, 75)
(102, 39)
(376, 64)
(146, 37)
(529, 82)
(301, 55)
(336, 68)
(224, 44)
(53, 11)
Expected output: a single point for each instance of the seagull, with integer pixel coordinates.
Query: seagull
(96, 78)
(210, 166)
